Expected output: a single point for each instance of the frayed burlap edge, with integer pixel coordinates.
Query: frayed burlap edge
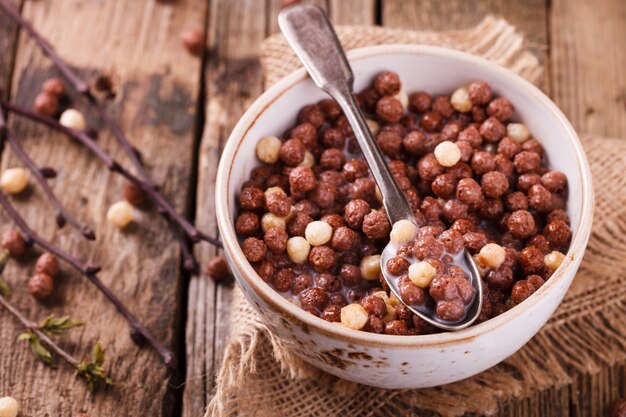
(493, 39)
(259, 377)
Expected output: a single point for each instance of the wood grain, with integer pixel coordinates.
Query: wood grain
(8, 39)
(529, 16)
(588, 40)
(352, 12)
(233, 81)
(156, 82)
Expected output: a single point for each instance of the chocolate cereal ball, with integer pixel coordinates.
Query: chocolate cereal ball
(387, 83)
(389, 110)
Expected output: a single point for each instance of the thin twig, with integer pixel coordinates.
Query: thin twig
(33, 327)
(61, 213)
(90, 272)
(113, 165)
(83, 88)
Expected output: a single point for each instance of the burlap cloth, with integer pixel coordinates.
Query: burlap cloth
(588, 332)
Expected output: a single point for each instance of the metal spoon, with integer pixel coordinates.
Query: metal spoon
(312, 37)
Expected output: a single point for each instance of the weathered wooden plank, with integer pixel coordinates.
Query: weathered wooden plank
(588, 40)
(275, 6)
(156, 81)
(234, 80)
(530, 17)
(352, 12)
(8, 39)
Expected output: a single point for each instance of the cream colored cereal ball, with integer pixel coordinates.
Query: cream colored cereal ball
(308, 161)
(421, 273)
(298, 249)
(270, 220)
(492, 255)
(378, 195)
(273, 190)
(73, 119)
(403, 231)
(318, 233)
(518, 132)
(393, 300)
(354, 316)
(460, 100)
(370, 267)
(402, 97)
(391, 313)
(553, 260)
(382, 295)
(14, 180)
(120, 214)
(9, 407)
(268, 149)
(447, 153)
(373, 125)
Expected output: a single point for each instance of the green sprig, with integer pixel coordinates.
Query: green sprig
(38, 349)
(93, 371)
(58, 326)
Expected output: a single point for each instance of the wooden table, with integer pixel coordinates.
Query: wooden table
(179, 112)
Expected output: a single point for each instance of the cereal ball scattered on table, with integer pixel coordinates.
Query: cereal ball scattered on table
(268, 149)
(318, 233)
(13, 242)
(14, 180)
(47, 264)
(135, 195)
(492, 255)
(120, 214)
(370, 267)
(461, 101)
(447, 153)
(46, 104)
(193, 41)
(518, 132)
(553, 260)
(354, 316)
(217, 268)
(9, 407)
(54, 87)
(73, 119)
(40, 286)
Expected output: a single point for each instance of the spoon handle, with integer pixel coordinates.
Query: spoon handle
(312, 37)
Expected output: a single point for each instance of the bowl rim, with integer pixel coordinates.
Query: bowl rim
(307, 320)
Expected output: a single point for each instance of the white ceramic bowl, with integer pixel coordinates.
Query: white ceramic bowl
(406, 361)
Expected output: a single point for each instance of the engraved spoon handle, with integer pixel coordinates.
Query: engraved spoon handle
(312, 37)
